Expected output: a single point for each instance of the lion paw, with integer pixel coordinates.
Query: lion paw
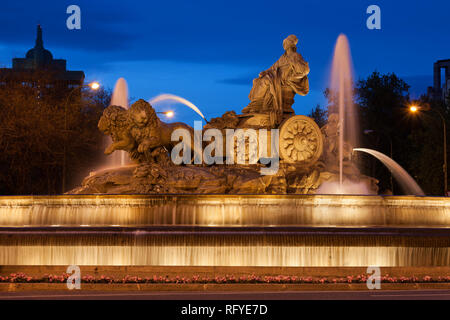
(109, 150)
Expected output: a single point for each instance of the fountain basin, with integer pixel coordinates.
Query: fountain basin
(224, 210)
(225, 230)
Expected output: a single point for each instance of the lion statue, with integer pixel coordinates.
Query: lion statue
(115, 123)
(140, 132)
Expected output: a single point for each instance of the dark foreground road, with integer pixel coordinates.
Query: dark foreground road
(305, 295)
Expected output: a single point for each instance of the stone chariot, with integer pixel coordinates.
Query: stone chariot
(307, 155)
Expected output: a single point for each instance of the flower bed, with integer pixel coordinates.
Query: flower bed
(227, 279)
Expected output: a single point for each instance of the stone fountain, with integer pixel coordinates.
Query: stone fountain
(261, 210)
(306, 155)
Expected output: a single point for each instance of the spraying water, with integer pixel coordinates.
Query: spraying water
(120, 94)
(119, 97)
(165, 97)
(408, 184)
(342, 89)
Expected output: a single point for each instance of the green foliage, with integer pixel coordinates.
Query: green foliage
(416, 139)
(320, 115)
(427, 148)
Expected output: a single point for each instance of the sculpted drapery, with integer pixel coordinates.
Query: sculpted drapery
(274, 90)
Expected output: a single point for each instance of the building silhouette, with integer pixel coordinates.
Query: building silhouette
(439, 90)
(39, 66)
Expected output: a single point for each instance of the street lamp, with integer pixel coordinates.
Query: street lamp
(168, 114)
(93, 86)
(414, 109)
(367, 132)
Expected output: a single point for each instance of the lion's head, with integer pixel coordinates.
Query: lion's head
(142, 114)
(114, 119)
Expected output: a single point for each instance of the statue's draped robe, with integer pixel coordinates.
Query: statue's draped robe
(289, 71)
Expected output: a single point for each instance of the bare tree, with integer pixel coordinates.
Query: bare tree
(33, 135)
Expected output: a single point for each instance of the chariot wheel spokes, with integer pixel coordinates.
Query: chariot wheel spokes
(301, 140)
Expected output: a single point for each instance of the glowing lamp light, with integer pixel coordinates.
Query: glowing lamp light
(94, 85)
(170, 114)
(413, 108)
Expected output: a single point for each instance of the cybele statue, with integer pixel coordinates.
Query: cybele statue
(274, 90)
(267, 134)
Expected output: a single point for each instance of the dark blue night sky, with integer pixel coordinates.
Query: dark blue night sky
(209, 51)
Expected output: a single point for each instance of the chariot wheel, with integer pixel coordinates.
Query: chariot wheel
(301, 140)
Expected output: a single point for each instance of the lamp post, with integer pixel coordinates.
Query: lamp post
(415, 109)
(93, 86)
(367, 132)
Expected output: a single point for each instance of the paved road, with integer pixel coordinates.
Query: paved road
(304, 295)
